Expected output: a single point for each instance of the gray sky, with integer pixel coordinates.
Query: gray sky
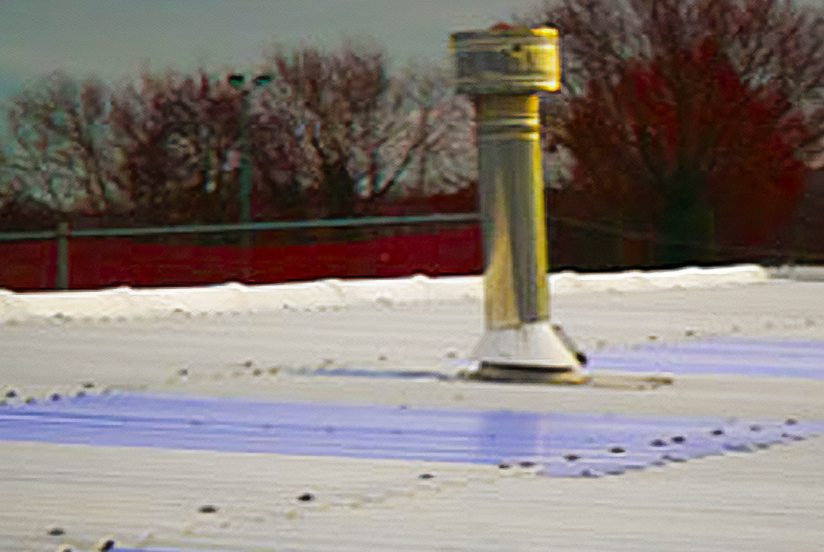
(113, 38)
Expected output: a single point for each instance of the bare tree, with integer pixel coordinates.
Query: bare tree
(694, 112)
(175, 135)
(432, 148)
(62, 159)
(772, 44)
(335, 94)
(370, 134)
(286, 167)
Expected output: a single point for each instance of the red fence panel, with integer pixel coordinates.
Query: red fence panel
(108, 262)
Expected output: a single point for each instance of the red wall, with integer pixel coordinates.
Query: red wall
(106, 262)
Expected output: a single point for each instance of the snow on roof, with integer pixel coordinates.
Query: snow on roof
(132, 303)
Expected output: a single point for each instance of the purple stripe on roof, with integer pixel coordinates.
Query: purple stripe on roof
(563, 444)
(723, 355)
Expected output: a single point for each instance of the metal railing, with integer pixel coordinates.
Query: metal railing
(234, 227)
(63, 233)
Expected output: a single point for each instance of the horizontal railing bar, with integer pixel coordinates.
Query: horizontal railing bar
(28, 236)
(243, 227)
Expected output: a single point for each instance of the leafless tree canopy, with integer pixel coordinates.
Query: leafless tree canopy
(364, 133)
(61, 159)
(769, 42)
(688, 116)
(174, 135)
(331, 134)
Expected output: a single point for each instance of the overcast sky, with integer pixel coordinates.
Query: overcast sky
(114, 38)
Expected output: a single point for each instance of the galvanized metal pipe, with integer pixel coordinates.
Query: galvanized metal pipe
(512, 210)
(502, 69)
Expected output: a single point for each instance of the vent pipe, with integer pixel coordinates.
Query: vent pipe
(502, 69)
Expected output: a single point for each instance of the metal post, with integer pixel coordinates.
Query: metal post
(246, 182)
(246, 164)
(502, 69)
(61, 280)
(245, 197)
